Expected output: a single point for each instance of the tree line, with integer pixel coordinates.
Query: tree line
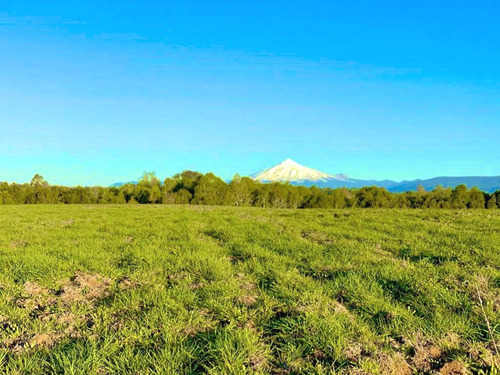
(190, 187)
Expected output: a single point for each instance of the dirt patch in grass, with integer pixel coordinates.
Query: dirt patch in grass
(353, 352)
(35, 298)
(258, 361)
(126, 283)
(16, 344)
(483, 291)
(192, 331)
(33, 289)
(453, 368)
(194, 286)
(26, 341)
(176, 278)
(45, 340)
(318, 354)
(4, 322)
(250, 324)
(18, 243)
(426, 359)
(247, 300)
(52, 310)
(278, 369)
(340, 308)
(427, 356)
(247, 286)
(394, 365)
(245, 283)
(483, 355)
(85, 288)
(317, 237)
(68, 223)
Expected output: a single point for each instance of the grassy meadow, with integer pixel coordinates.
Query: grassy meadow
(156, 289)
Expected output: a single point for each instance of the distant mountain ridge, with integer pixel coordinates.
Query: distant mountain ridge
(296, 174)
(484, 183)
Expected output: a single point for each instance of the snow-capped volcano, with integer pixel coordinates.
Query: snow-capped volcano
(289, 170)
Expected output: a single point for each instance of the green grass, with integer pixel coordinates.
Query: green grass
(218, 290)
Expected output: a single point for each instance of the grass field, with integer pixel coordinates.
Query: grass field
(190, 290)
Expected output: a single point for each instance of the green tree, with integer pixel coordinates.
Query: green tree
(239, 191)
(40, 189)
(382, 198)
(459, 197)
(260, 196)
(5, 198)
(210, 190)
(310, 196)
(155, 195)
(365, 198)
(323, 200)
(182, 196)
(294, 198)
(120, 198)
(401, 201)
(38, 180)
(187, 180)
(169, 185)
(278, 195)
(492, 202)
(476, 198)
(339, 198)
(439, 198)
(128, 191)
(147, 189)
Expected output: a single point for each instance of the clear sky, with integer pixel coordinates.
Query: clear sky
(95, 92)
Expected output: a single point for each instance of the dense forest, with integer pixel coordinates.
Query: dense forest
(191, 187)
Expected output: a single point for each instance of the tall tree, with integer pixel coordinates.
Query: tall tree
(492, 202)
(476, 198)
(40, 189)
(459, 197)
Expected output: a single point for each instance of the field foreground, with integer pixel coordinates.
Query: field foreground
(191, 290)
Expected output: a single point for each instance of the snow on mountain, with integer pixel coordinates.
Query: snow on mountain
(289, 170)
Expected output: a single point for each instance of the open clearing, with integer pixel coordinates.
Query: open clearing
(190, 290)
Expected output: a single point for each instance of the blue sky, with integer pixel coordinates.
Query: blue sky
(96, 92)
